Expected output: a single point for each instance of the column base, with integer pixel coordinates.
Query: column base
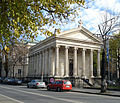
(84, 77)
(75, 76)
(50, 75)
(66, 75)
(99, 76)
(56, 76)
(92, 76)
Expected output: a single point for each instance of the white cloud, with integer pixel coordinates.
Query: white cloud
(92, 16)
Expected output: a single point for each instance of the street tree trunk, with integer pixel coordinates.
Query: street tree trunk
(103, 79)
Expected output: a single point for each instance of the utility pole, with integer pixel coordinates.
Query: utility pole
(108, 71)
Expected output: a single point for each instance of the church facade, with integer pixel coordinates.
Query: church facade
(66, 55)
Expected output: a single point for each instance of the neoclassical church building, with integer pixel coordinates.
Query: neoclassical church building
(68, 55)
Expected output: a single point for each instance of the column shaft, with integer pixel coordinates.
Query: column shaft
(32, 66)
(91, 62)
(66, 71)
(50, 63)
(43, 70)
(45, 64)
(75, 62)
(37, 65)
(40, 64)
(83, 59)
(98, 64)
(57, 61)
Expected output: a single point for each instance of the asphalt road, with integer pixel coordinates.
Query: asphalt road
(22, 94)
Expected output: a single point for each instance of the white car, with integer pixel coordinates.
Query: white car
(36, 84)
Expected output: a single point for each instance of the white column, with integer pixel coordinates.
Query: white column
(35, 67)
(29, 66)
(57, 61)
(75, 62)
(40, 64)
(32, 65)
(83, 59)
(91, 63)
(43, 59)
(45, 64)
(38, 59)
(66, 70)
(98, 64)
(50, 62)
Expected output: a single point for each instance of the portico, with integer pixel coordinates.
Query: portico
(68, 54)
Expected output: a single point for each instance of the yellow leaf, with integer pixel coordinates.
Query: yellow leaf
(6, 49)
(54, 22)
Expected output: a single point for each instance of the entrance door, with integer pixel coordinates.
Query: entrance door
(70, 67)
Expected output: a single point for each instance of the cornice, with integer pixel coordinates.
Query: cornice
(77, 40)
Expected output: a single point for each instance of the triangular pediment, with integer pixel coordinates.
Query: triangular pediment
(79, 34)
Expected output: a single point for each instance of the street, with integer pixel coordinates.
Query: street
(22, 94)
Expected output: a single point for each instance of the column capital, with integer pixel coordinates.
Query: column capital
(57, 46)
(75, 48)
(99, 51)
(84, 49)
(66, 47)
(91, 50)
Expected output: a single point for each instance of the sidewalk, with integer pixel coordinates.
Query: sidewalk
(96, 91)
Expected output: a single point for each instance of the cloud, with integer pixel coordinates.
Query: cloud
(92, 16)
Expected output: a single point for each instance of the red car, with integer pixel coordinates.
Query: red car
(60, 85)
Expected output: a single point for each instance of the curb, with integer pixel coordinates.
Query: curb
(96, 93)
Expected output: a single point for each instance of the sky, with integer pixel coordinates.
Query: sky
(92, 16)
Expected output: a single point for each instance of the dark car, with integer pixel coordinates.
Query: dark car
(17, 81)
(13, 81)
(1, 79)
(111, 83)
(8, 80)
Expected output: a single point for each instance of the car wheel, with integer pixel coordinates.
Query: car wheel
(27, 86)
(36, 87)
(48, 88)
(58, 90)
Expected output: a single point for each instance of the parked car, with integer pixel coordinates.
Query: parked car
(111, 83)
(8, 80)
(1, 79)
(36, 84)
(60, 85)
(17, 81)
(13, 81)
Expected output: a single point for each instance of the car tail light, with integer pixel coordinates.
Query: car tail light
(63, 85)
(37, 83)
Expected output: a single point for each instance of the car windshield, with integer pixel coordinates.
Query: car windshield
(35, 80)
(67, 82)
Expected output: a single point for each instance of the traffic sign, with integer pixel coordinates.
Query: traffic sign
(51, 79)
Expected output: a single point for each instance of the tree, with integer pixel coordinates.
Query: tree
(17, 54)
(21, 19)
(0, 65)
(114, 47)
(109, 25)
(25, 19)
